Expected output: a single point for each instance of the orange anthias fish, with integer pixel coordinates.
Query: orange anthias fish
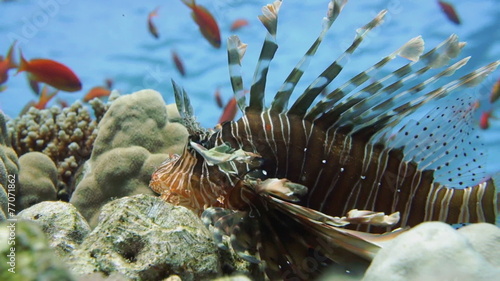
(449, 11)
(484, 120)
(96, 92)
(45, 97)
(206, 22)
(178, 63)
(151, 26)
(239, 23)
(495, 92)
(229, 111)
(52, 73)
(6, 64)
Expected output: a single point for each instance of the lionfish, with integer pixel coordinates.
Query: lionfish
(328, 180)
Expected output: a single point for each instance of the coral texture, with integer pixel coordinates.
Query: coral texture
(135, 136)
(64, 226)
(9, 167)
(37, 180)
(65, 135)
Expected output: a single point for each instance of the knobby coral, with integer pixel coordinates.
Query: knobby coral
(65, 135)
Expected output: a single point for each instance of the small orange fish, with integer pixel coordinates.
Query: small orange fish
(495, 92)
(151, 26)
(239, 23)
(52, 73)
(178, 63)
(218, 98)
(62, 103)
(7, 63)
(96, 92)
(229, 111)
(45, 97)
(449, 11)
(484, 120)
(206, 22)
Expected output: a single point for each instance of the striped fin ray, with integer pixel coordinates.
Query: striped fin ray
(371, 94)
(186, 112)
(302, 103)
(235, 52)
(280, 101)
(269, 19)
(411, 49)
(373, 107)
(389, 113)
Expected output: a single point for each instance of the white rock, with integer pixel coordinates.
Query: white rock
(436, 251)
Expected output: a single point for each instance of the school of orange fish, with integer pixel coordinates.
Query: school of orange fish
(53, 74)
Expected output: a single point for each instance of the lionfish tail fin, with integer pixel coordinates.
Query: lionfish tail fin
(269, 19)
(302, 104)
(235, 52)
(282, 97)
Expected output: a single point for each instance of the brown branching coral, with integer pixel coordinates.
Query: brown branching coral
(65, 135)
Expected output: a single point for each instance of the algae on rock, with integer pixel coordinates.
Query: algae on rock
(145, 238)
(64, 226)
(34, 259)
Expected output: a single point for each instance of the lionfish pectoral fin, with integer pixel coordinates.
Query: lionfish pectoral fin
(223, 153)
(213, 219)
(281, 188)
(356, 216)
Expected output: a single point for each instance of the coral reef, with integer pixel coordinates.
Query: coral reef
(9, 165)
(34, 259)
(436, 251)
(65, 135)
(144, 238)
(61, 222)
(135, 135)
(37, 180)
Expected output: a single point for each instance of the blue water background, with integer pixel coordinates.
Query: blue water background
(109, 39)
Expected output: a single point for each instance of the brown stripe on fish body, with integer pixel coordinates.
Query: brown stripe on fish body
(472, 204)
(344, 173)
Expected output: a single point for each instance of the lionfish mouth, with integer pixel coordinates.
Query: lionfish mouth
(319, 179)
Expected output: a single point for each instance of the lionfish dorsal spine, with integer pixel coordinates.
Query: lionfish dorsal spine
(411, 50)
(304, 101)
(235, 52)
(280, 101)
(372, 106)
(328, 110)
(269, 19)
